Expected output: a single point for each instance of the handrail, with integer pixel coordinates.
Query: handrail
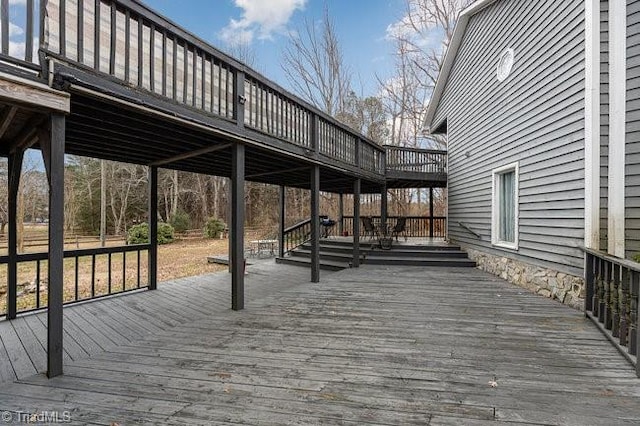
(625, 263)
(296, 235)
(612, 298)
(467, 228)
(82, 286)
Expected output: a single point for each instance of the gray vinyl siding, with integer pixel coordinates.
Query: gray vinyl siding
(632, 147)
(535, 117)
(604, 121)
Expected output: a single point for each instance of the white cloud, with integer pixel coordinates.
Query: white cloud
(14, 30)
(259, 18)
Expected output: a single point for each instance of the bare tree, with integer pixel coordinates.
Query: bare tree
(314, 65)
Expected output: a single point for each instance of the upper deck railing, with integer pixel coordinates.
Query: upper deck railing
(418, 160)
(128, 42)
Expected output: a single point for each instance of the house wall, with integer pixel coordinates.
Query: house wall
(535, 117)
(604, 120)
(632, 145)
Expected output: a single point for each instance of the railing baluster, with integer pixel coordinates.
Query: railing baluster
(93, 276)
(138, 263)
(615, 300)
(96, 35)
(62, 27)
(28, 53)
(77, 278)
(164, 63)
(194, 89)
(124, 271)
(633, 314)
(140, 52)
(625, 307)
(109, 273)
(112, 50)
(127, 45)
(174, 66)
(152, 57)
(37, 284)
(608, 308)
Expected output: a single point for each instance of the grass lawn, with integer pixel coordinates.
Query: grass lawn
(180, 259)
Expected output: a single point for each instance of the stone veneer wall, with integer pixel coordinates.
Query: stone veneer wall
(565, 288)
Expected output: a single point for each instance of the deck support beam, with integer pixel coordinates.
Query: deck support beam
(53, 145)
(384, 208)
(153, 228)
(281, 219)
(431, 212)
(237, 228)
(356, 223)
(15, 169)
(341, 214)
(315, 224)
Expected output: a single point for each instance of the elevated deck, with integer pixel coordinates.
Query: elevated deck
(372, 345)
(144, 90)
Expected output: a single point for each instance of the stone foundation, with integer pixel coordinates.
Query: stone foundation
(565, 288)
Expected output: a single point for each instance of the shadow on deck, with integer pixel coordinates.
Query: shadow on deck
(381, 345)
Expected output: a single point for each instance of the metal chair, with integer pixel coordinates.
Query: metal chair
(400, 228)
(369, 228)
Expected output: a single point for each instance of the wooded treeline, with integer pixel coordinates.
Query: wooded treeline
(317, 71)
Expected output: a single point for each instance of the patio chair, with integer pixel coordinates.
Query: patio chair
(369, 228)
(400, 228)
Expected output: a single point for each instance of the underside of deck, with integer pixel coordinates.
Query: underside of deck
(370, 345)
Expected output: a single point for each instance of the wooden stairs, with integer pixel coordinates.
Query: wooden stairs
(336, 255)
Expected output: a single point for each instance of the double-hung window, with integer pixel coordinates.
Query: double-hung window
(504, 207)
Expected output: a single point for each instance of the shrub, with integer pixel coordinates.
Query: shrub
(213, 228)
(181, 221)
(165, 233)
(636, 257)
(139, 234)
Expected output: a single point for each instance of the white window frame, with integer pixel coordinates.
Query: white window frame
(495, 205)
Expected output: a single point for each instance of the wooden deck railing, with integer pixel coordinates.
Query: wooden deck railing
(404, 159)
(416, 226)
(125, 40)
(611, 300)
(94, 275)
(296, 235)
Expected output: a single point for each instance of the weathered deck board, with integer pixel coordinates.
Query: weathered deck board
(370, 346)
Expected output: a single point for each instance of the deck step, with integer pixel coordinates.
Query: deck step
(326, 265)
(366, 242)
(326, 255)
(412, 261)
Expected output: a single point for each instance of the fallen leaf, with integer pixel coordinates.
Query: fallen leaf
(493, 383)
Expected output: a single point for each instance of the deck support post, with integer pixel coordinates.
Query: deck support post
(237, 228)
(281, 220)
(53, 145)
(356, 223)
(341, 214)
(384, 207)
(153, 228)
(431, 212)
(315, 224)
(15, 169)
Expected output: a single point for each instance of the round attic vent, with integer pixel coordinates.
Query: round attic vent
(505, 64)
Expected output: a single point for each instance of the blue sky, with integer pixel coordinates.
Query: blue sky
(361, 26)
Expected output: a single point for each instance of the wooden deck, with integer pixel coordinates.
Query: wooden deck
(374, 345)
